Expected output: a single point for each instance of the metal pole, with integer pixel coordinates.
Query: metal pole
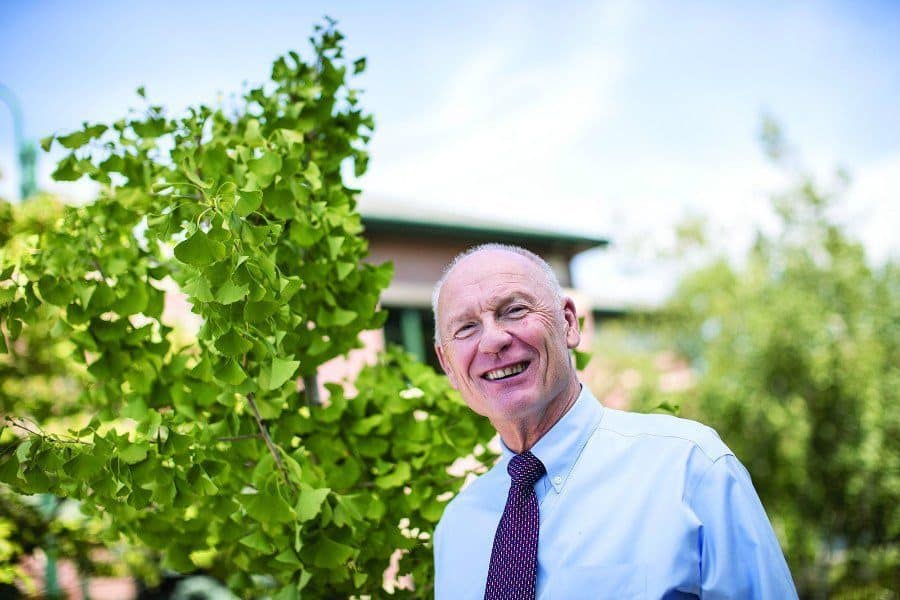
(27, 169)
(25, 150)
(49, 504)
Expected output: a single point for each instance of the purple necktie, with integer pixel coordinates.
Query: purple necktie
(513, 569)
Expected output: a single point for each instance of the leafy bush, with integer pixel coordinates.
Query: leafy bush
(210, 452)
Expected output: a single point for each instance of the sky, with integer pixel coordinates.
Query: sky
(607, 118)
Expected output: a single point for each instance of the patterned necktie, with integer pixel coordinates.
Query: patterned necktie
(513, 569)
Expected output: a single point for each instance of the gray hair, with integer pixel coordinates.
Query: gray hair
(549, 276)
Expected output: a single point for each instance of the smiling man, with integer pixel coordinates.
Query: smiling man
(586, 501)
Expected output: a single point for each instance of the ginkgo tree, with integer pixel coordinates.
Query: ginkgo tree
(218, 453)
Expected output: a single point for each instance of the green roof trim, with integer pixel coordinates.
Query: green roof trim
(482, 233)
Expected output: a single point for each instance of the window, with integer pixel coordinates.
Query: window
(413, 329)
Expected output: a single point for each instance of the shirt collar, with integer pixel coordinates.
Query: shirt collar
(560, 447)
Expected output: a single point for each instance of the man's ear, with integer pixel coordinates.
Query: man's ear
(445, 366)
(573, 332)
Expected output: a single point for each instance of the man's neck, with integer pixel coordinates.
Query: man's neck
(523, 435)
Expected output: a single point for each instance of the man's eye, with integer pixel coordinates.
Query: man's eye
(465, 331)
(516, 310)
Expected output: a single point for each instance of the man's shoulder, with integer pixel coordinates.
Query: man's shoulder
(665, 427)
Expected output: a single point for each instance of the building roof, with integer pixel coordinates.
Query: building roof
(384, 216)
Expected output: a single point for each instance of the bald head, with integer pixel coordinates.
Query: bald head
(544, 269)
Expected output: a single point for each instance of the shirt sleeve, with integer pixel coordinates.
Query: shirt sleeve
(740, 555)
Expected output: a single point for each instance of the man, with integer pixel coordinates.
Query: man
(586, 501)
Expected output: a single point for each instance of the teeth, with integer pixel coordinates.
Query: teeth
(501, 373)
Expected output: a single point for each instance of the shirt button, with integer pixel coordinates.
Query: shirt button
(557, 480)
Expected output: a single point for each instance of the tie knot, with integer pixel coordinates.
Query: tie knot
(525, 469)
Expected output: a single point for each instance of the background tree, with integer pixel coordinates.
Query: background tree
(210, 452)
(797, 353)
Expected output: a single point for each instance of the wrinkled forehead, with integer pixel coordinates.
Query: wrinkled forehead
(485, 276)
(488, 264)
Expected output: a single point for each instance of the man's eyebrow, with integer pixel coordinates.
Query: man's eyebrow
(457, 318)
(502, 301)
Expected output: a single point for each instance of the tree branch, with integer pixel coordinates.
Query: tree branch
(237, 438)
(273, 449)
(20, 424)
(12, 421)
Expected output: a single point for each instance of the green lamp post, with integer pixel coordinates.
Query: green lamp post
(26, 150)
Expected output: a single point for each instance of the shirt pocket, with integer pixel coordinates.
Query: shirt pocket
(600, 581)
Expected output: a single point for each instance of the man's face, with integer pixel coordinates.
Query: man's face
(505, 336)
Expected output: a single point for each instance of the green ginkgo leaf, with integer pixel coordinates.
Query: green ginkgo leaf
(329, 554)
(310, 502)
(233, 344)
(231, 373)
(199, 251)
(265, 167)
(280, 370)
(231, 292)
(247, 202)
(80, 138)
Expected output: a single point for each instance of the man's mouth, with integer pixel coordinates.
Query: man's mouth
(506, 372)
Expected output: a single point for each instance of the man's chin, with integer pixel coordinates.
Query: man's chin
(514, 405)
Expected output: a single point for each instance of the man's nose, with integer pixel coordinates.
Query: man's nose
(494, 338)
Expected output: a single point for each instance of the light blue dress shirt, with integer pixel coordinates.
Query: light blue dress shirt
(632, 506)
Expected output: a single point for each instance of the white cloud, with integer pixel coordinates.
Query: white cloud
(732, 197)
(874, 206)
(503, 135)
